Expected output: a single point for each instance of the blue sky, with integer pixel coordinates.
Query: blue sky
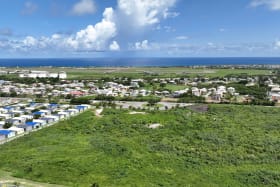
(142, 28)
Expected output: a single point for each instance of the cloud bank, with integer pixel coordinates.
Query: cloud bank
(271, 4)
(101, 36)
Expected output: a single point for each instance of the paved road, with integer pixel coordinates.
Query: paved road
(163, 105)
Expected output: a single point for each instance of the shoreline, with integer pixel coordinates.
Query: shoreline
(225, 66)
(139, 62)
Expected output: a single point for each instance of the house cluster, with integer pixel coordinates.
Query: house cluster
(116, 89)
(274, 93)
(124, 87)
(4, 101)
(41, 74)
(21, 118)
(213, 93)
(60, 89)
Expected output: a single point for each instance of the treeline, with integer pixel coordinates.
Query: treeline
(10, 94)
(259, 92)
(30, 80)
(189, 98)
(87, 99)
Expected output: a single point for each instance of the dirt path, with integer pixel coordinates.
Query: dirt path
(98, 112)
(7, 179)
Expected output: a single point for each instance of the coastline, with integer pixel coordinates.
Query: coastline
(138, 62)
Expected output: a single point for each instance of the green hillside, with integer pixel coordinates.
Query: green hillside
(226, 146)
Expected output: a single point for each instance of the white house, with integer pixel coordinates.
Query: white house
(7, 133)
(41, 122)
(55, 118)
(17, 130)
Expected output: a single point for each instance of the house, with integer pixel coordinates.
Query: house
(74, 111)
(48, 120)
(46, 112)
(63, 114)
(9, 108)
(14, 121)
(41, 122)
(26, 128)
(59, 116)
(18, 112)
(3, 110)
(81, 108)
(70, 112)
(53, 106)
(17, 130)
(231, 90)
(27, 117)
(29, 109)
(34, 125)
(2, 123)
(55, 118)
(2, 137)
(195, 91)
(5, 116)
(39, 113)
(7, 133)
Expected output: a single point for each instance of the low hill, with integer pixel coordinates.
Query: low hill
(224, 146)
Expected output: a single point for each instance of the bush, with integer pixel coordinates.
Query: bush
(80, 100)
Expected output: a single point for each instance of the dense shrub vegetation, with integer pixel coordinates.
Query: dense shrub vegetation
(224, 146)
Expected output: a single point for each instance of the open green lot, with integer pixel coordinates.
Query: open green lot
(142, 72)
(225, 146)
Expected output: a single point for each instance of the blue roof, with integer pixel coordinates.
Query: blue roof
(30, 123)
(5, 132)
(53, 105)
(8, 107)
(80, 107)
(32, 103)
(46, 118)
(38, 113)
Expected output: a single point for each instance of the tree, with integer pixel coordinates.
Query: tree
(162, 85)
(17, 115)
(95, 185)
(37, 116)
(13, 94)
(7, 125)
(152, 101)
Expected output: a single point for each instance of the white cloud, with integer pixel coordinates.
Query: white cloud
(114, 46)
(29, 41)
(271, 4)
(29, 8)
(92, 38)
(144, 45)
(167, 14)
(182, 37)
(146, 12)
(169, 29)
(277, 44)
(95, 37)
(103, 35)
(84, 7)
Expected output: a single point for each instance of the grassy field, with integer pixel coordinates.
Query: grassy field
(135, 72)
(225, 146)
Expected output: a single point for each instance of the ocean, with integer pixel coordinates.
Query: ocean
(135, 62)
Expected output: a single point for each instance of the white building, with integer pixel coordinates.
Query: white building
(43, 74)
